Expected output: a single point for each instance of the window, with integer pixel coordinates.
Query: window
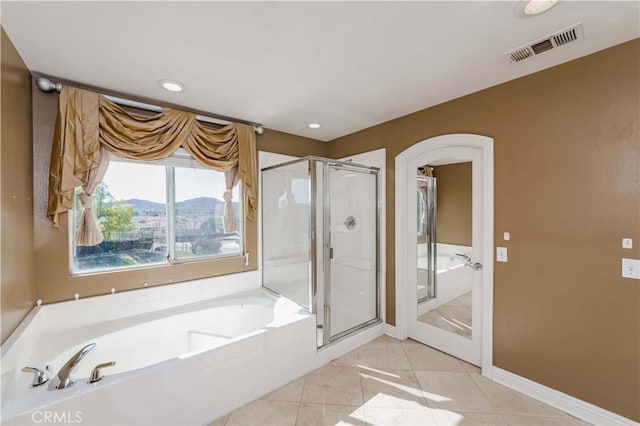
(157, 213)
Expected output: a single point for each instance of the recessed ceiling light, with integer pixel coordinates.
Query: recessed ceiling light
(171, 85)
(314, 125)
(536, 7)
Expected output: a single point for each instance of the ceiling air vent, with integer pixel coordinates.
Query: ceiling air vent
(520, 55)
(565, 37)
(552, 41)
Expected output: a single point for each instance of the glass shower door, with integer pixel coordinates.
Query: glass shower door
(286, 236)
(320, 241)
(351, 213)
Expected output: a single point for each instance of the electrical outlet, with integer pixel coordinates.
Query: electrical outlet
(507, 236)
(627, 243)
(631, 268)
(501, 254)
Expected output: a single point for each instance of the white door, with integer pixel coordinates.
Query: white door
(445, 252)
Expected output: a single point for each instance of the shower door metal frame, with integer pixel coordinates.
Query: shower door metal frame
(327, 337)
(313, 251)
(430, 235)
(324, 336)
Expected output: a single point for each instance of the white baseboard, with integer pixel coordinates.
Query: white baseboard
(569, 404)
(390, 330)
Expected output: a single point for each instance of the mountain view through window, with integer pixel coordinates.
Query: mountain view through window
(151, 214)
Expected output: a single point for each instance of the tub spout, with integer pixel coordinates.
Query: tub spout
(63, 380)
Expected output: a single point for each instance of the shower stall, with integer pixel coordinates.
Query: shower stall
(320, 245)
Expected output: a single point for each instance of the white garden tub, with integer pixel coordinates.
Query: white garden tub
(453, 278)
(185, 364)
(143, 340)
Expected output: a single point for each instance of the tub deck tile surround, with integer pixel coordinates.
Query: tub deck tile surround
(391, 382)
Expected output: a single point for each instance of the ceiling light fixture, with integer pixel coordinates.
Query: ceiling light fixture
(536, 7)
(314, 125)
(171, 85)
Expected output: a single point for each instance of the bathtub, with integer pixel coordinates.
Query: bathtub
(197, 357)
(185, 353)
(448, 262)
(155, 337)
(453, 278)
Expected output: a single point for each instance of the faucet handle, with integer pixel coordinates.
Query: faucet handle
(96, 374)
(40, 377)
(464, 256)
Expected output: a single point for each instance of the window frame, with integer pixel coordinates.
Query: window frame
(182, 159)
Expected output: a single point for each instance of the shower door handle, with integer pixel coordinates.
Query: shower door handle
(330, 252)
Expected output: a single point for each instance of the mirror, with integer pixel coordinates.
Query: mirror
(444, 246)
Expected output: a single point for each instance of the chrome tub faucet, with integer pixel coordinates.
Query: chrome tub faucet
(63, 379)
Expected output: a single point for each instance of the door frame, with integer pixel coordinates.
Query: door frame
(405, 165)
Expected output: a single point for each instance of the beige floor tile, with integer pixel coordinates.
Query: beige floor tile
(291, 392)
(395, 416)
(264, 413)
(447, 417)
(383, 356)
(470, 368)
(327, 414)
(333, 385)
(221, 421)
(450, 323)
(384, 340)
(542, 421)
(453, 391)
(349, 360)
(454, 316)
(506, 401)
(422, 357)
(377, 385)
(391, 389)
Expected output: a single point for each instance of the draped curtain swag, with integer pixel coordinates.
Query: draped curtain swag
(89, 233)
(89, 126)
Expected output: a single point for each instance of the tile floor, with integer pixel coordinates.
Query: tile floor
(454, 316)
(392, 382)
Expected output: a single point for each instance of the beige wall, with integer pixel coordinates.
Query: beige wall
(567, 187)
(52, 280)
(288, 144)
(453, 206)
(16, 212)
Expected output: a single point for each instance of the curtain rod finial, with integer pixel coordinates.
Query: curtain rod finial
(47, 85)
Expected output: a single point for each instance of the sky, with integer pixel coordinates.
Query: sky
(127, 180)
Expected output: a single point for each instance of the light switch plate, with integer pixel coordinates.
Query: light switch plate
(501, 254)
(627, 243)
(631, 268)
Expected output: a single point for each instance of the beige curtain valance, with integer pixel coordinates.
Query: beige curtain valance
(88, 125)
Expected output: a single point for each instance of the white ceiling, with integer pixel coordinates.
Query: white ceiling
(285, 64)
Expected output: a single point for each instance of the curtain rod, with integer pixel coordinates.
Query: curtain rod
(47, 86)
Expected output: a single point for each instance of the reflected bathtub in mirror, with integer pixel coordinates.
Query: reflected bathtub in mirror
(444, 248)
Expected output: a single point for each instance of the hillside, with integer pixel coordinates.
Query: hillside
(199, 204)
(145, 205)
(192, 205)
